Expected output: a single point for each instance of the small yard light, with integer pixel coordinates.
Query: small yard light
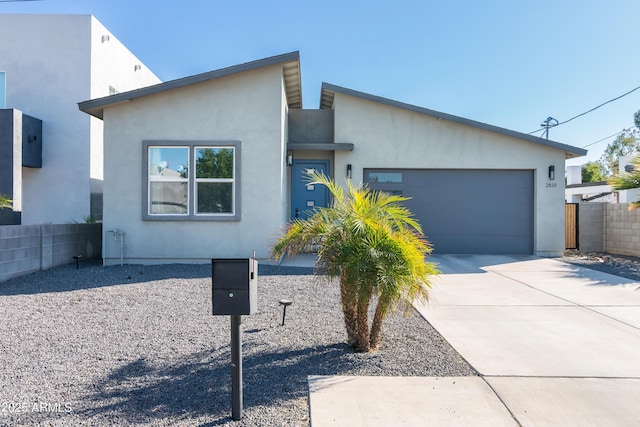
(552, 172)
(285, 303)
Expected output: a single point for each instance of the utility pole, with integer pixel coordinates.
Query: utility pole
(549, 123)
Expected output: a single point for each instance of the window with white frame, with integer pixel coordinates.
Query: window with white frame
(214, 176)
(191, 180)
(168, 180)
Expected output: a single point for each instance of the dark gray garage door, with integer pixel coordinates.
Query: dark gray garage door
(466, 211)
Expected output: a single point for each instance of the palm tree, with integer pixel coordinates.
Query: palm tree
(5, 202)
(373, 245)
(628, 181)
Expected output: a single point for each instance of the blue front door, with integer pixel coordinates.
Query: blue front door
(305, 196)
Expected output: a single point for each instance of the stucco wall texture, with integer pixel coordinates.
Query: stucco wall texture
(204, 112)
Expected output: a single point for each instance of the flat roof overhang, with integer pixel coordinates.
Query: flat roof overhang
(319, 146)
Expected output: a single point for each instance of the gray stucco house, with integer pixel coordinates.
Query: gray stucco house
(212, 165)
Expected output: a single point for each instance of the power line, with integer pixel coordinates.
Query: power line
(607, 137)
(589, 111)
(604, 103)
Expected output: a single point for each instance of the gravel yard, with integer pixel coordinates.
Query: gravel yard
(620, 265)
(138, 345)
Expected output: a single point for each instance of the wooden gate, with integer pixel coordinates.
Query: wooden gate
(571, 226)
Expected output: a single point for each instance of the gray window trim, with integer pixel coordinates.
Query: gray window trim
(191, 216)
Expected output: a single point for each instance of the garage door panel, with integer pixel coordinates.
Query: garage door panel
(478, 245)
(476, 229)
(482, 214)
(472, 211)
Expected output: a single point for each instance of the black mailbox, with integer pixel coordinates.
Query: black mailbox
(234, 288)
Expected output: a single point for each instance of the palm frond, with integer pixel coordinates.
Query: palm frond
(5, 201)
(628, 181)
(371, 241)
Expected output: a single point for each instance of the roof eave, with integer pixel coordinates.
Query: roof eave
(291, 72)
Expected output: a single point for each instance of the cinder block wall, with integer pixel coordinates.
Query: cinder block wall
(622, 230)
(20, 250)
(28, 248)
(591, 226)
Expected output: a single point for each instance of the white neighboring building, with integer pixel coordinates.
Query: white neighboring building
(600, 192)
(576, 191)
(628, 196)
(47, 64)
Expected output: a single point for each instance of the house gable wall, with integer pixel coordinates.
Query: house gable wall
(245, 107)
(390, 137)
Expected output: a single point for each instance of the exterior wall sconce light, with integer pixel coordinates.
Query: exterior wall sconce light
(289, 158)
(137, 67)
(105, 38)
(552, 172)
(349, 171)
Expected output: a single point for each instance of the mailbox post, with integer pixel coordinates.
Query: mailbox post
(234, 292)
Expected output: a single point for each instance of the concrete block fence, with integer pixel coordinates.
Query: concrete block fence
(609, 227)
(622, 230)
(591, 226)
(28, 248)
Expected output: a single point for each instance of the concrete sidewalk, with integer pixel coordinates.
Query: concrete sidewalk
(555, 344)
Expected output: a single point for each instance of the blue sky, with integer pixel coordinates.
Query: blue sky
(503, 62)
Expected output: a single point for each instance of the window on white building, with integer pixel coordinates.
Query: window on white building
(3, 90)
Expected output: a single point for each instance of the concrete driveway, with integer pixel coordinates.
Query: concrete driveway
(554, 344)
